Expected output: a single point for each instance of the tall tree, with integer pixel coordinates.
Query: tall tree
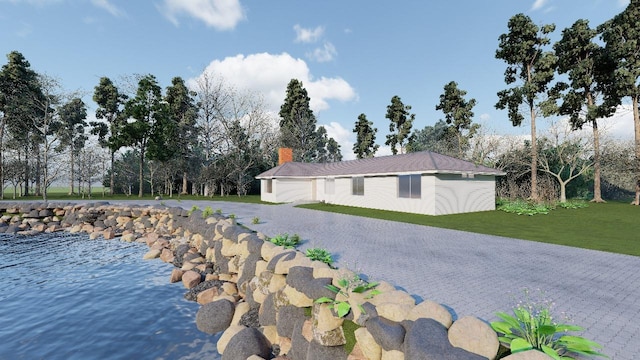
(19, 86)
(183, 113)
(146, 132)
(111, 109)
(297, 123)
(589, 71)
(622, 37)
(71, 134)
(438, 138)
(327, 149)
(458, 114)
(365, 146)
(400, 124)
(523, 49)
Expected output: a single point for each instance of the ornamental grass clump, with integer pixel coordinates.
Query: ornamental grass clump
(288, 242)
(532, 326)
(320, 254)
(208, 211)
(347, 286)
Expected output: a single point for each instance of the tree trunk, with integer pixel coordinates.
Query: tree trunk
(71, 177)
(112, 177)
(636, 123)
(563, 191)
(141, 173)
(597, 192)
(534, 155)
(38, 191)
(26, 170)
(184, 183)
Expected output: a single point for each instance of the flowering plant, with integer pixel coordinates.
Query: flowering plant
(532, 327)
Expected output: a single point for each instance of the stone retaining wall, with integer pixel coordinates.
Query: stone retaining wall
(261, 297)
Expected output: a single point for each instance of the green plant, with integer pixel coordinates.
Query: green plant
(573, 204)
(232, 216)
(289, 242)
(522, 207)
(320, 254)
(208, 211)
(255, 220)
(218, 211)
(354, 285)
(193, 208)
(533, 327)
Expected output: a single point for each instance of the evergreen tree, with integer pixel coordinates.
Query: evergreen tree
(400, 124)
(298, 124)
(438, 138)
(71, 133)
(111, 109)
(522, 48)
(365, 146)
(589, 71)
(458, 114)
(622, 37)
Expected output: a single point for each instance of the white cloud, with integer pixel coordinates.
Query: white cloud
(109, 7)
(485, 117)
(384, 150)
(344, 137)
(323, 54)
(538, 4)
(219, 14)
(619, 125)
(305, 35)
(269, 75)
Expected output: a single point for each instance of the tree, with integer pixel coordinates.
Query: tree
(147, 132)
(365, 146)
(297, 123)
(71, 132)
(400, 124)
(110, 108)
(183, 113)
(588, 68)
(458, 114)
(522, 48)
(622, 37)
(438, 138)
(328, 149)
(19, 86)
(564, 156)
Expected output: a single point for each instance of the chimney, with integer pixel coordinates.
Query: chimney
(285, 155)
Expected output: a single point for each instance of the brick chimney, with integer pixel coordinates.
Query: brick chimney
(285, 155)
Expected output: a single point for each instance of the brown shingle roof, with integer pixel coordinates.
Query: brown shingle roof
(418, 162)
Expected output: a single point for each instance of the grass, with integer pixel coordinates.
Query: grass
(612, 227)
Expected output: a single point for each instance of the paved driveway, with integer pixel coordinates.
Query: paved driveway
(472, 274)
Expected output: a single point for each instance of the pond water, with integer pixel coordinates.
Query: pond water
(64, 296)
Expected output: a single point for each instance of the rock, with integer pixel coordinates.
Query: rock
(207, 296)
(427, 339)
(300, 343)
(474, 335)
(245, 343)
(271, 333)
(528, 355)
(191, 279)
(286, 319)
(389, 334)
(370, 348)
(226, 336)
(241, 309)
(357, 353)
(394, 312)
(230, 288)
(392, 355)
(108, 234)
(267, 311)
(431, 310)
(128, 237)
(324, 319)
(250, 319)
(176, 275)
(167, 255)
(318, 351)
(296, 297)
(215, 316)
(152, 254)
(301, 278)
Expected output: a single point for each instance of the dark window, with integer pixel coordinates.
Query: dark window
(409, 186)
(357, 184)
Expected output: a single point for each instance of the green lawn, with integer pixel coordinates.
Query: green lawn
(613, 227)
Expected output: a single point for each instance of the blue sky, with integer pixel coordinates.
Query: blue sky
(352, 56)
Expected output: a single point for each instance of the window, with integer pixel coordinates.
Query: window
(269, 186)
(357, 184)
(330, 186)
(409, 186)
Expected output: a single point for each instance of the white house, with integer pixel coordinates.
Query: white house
(421, 182)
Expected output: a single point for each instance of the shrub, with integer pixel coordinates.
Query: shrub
(193, 208)
(522, 207)
(218, 211)
(255, 220)
(573, 204)
(208, 211)
(320, 254)
(348, 286)
(232, 216)
(289, 242)
(532, 326)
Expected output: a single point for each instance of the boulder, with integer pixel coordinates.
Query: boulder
(245, 343)
(300, 342)
(176, 275)
(474, 335)
(317, 351)
(431, 310)
(207, 296)
(389, 334)
(393, 311)
(528, 355)
(167, 255)
(190, 279)
(392, 355)
(152, 254)
(215, 316)
(267, 311)
(427, 339)
(286, 319)
(241, 309)
(370, 348)
(227, 335)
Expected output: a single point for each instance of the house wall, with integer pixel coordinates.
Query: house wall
(455, 194)
(286, 190)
